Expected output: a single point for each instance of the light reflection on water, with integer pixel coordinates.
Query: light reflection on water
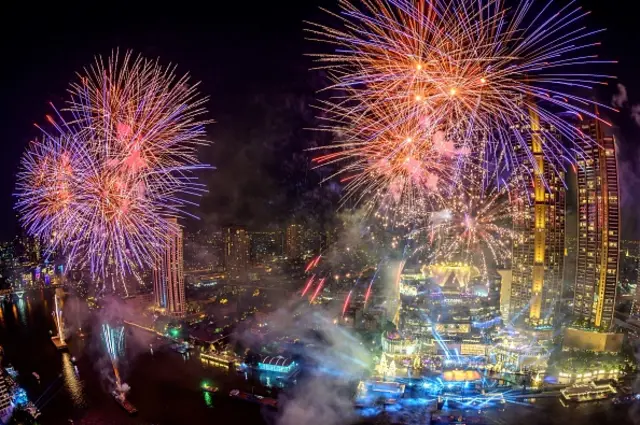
(21, 312)
(72, 381)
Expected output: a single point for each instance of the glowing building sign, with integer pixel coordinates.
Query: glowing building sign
(276, 364)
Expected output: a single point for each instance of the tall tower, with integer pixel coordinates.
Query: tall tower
(5, 399)
(598, 229)
(236, 252)
(539, 222)
(168, 276)
(293, 242)
(635, 309)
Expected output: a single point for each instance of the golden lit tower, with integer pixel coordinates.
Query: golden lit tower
(598, 229)
(168, 276)
(539, 223)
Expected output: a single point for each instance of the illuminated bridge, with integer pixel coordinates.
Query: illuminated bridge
(4, 293)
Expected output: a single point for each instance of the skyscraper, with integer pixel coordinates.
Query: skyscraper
(236, 252)
(293, 241)
(635, 308)
(5, 398)
(168, 277)
(539, 222)
(598, 229)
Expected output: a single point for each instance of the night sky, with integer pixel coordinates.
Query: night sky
(249, 56)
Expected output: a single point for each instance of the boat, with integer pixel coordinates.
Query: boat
(122, 401)
(594, 391)
(209, 388)
(253, 398)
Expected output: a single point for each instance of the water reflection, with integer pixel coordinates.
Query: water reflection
(21, 312)
(29, 311)
(208, 399)
(72, 381)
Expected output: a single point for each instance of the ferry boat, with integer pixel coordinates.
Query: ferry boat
(122, 401)
(594, 391)
(209, 388)
(264, 401)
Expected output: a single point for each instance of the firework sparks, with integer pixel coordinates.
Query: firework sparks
(102, 187)
(317, 291)
(478, 229)
(113, 338)
(421, 85)
(308, 285)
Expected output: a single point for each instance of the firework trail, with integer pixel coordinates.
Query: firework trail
(420, 85)
(375, 274)
(313, 263)
(308, 285)
(101, 185)
(346, 303)
(317, 291)
(113, 338)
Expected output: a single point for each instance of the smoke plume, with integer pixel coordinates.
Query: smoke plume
(334, 359)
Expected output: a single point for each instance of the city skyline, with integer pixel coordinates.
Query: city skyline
(381, 211)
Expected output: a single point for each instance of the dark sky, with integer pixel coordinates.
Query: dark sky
(249, 57)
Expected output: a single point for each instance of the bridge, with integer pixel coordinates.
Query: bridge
(4, 293)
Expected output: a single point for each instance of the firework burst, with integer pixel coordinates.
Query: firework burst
(468, 75)
(119, 163)
(477, 228)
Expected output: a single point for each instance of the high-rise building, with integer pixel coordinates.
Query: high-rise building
(5, 398)
(539, 223)
(294, 241)
(506, 277)
(635, 308)
(236, 252)
(598, 229)
(168, 277)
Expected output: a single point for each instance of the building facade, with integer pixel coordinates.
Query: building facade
(236, 252)
(168, 276)
(598, 229)
(635, 308)
(5, 398)
(539, 223)
(294, 238)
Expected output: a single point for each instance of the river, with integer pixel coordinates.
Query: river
(165, 386)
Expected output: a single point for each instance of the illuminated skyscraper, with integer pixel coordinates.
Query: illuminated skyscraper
(294, 241)
(236, 252)
(598, 230)
(168, 277)
(539, 222)
(5, 398)
(635, 309)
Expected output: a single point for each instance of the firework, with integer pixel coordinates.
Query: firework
(308, 285)
(101, 187)
(387, 158)
(426, 83)
(477, 229)
(113, 338)
(317, 291)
